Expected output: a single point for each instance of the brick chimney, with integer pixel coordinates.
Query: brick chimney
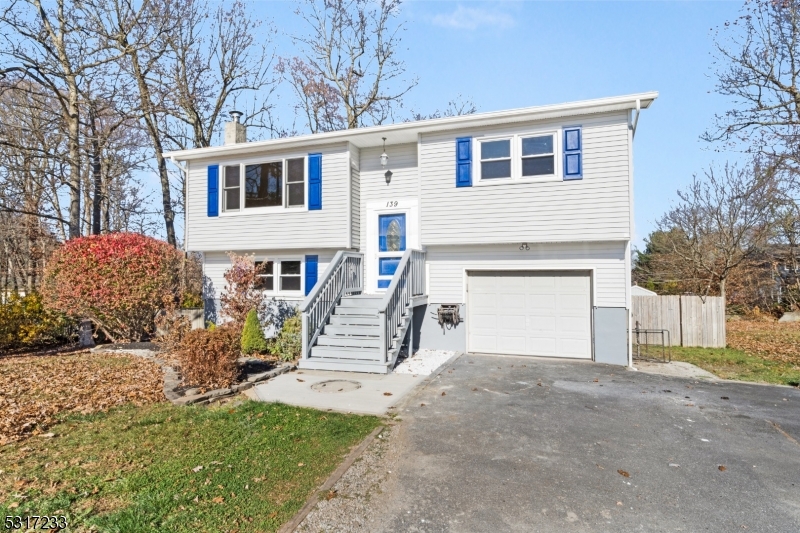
(235, 132)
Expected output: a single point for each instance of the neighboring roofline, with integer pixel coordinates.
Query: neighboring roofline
(370, 134)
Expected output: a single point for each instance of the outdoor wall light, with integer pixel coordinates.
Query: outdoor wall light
(388, 176)
(384, 157)
(524, 246)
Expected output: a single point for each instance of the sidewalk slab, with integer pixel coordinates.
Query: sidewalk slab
(375, 394)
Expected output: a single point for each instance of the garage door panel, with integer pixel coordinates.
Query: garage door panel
(530, 313)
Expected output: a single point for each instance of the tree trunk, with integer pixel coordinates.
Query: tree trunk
(722, 290)
(97, 179)
(73, 134)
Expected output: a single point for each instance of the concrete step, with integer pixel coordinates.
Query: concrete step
(371, 302)
(352, 329)
(348, 340)
(345, 353)
(372, 367)
(355, 320)
(342, 310)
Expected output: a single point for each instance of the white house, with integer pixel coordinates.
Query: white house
(505, 232)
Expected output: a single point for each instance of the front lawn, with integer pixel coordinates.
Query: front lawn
(728, 363)
(758, 350)
(172, 469)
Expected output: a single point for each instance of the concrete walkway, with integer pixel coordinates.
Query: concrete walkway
(512, 444)
(349, 392)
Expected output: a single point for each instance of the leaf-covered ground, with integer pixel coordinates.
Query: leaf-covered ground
(244, 468)
(36, 390)
(758, 350)
(773, 340)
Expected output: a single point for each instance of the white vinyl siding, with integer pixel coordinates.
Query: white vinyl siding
(278, 228)
(404, 183)
(355, 208)
(447, 267)
(536, 209)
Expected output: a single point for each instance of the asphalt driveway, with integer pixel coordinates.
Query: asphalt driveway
(499, 444)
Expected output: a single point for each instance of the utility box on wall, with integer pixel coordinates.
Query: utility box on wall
(611, 335)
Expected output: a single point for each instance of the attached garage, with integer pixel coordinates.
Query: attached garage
(530, 313)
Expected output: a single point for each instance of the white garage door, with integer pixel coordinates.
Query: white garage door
(530, 313)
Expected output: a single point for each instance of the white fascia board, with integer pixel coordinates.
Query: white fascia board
(405, 132)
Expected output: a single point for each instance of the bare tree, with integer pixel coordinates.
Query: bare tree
(720, 222)
(350, 63)
(758, 66)
(55, 48)
(456, 107)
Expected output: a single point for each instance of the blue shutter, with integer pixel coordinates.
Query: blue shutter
(573, 157)
(213, 190)
(312, 262)
(464, 162)
(314, 182)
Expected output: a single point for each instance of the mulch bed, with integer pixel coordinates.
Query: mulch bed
(35, 390)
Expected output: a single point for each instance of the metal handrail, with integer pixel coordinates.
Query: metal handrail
(408, 281)
(343, 276)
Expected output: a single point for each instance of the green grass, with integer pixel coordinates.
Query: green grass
(130, 470)
(728, 363)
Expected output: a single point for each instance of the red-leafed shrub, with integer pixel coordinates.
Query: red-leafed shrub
(242, 293)
(207, 357)
(118, 281)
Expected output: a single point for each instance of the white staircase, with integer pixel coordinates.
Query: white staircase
(346, 330)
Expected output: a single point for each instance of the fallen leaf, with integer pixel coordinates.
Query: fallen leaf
(301, 380)
(387, 393)
(475, 388)
(273, 514)
(623, 473)
(724, 398)
(422, 405)
(14, 505)
(443, 394)
(301, 464)
(595, 380)
(330, 495)
(619, 503)
(47, 435)
(197, 468)
(722, 468)
(218, 499)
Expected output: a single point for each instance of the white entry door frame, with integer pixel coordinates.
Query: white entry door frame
(400, 206)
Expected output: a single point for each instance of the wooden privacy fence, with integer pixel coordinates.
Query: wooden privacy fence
(690, 320)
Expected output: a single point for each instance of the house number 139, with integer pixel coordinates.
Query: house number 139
(391, 203)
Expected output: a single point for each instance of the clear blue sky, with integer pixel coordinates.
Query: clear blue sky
(514, 54)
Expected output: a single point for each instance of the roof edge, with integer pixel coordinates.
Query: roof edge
(598, 105)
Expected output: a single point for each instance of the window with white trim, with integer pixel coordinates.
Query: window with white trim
(231, 188)
(538, 155)
(265, 275)
(290, 275)
(271, 184)
(495, 159)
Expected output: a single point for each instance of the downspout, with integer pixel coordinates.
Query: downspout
(635, 121)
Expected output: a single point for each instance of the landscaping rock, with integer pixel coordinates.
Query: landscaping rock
(794, 316)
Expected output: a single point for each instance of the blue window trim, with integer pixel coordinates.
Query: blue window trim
(383, 226)
(384, 283)
(464, 162)
(213, 191)
(576, 152)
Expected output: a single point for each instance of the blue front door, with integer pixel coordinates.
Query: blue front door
(391, 245)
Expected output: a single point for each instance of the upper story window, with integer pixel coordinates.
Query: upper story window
(538, 156)
(496, 159)
(518, 156)
(270, 184)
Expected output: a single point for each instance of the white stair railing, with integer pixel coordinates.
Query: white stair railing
(408, 281)
(344, 276)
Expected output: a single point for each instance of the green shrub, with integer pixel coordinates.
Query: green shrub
(207, 357)
(253, 340)
(25, 322)
(288, 344)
